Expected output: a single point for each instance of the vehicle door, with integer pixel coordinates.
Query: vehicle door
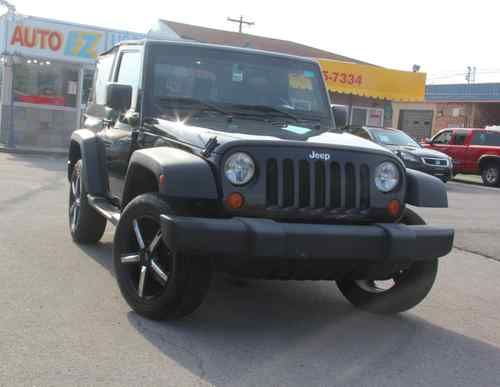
(457, 148)
(120, 136)
(482, 143)
(441, 142)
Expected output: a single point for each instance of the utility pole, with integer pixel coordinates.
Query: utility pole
(240, 21)
(470, 75)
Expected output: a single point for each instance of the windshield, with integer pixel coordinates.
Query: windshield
(239, 84)
(393, 137)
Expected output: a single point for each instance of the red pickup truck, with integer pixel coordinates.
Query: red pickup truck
(474, 151)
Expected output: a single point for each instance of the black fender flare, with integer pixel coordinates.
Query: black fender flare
(86, 145)
(486, 158)
(424, 190)
(186, 175)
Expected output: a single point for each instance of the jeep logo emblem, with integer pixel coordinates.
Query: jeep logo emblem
(319, 156)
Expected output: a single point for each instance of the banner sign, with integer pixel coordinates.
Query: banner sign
(373, 81)
(38, 38)
(34, 37)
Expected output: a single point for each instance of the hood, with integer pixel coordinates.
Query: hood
(199, 136)
(419, 152)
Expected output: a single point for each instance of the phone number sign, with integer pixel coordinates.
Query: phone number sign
(343, 78)
(372, 81)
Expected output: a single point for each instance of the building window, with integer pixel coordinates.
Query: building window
(88, 78)
(45, 83)
(362, 116)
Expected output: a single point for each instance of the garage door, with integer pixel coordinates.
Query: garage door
(417, 123)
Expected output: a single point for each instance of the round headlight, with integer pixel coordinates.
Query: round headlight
(239, 168)
(386, 176)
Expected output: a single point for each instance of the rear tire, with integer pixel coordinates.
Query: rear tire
(173, 285)
(410, 286)
(85, 224)
(490, 174)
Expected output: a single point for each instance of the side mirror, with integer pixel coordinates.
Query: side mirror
(340, 113)
(118, 96)
(427, 140)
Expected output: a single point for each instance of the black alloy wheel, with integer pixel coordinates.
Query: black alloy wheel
(85, 224)
(491, 175)
(147, 261)
(396, 292)
(156, 282)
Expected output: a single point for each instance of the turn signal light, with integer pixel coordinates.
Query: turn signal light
(394, 207)
(235, 200)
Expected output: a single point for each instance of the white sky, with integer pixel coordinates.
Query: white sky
(443, 36)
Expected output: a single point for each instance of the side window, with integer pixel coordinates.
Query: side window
(129, 69)
(361, 133)
(443, 138)
(479, 138)
(460, 137)
(493, 139)
(101, 79)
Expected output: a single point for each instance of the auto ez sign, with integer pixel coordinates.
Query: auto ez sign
(56, 41)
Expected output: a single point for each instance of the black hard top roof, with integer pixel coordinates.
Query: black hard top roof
(188, 43)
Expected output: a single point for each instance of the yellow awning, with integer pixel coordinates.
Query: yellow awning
(371, 81)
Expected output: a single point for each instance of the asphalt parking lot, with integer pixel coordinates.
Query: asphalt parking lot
(63, 321)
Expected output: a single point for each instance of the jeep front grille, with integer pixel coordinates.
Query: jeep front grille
(317, 184)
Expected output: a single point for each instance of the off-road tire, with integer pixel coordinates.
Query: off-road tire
(490, 175)
(415, 284)
(88, 227)
(188, 277)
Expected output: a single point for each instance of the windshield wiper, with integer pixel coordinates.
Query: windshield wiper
(206, 106)
(267, 109)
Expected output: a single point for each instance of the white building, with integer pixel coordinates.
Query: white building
(46, 69)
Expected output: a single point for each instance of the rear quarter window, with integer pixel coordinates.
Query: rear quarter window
(486, 138)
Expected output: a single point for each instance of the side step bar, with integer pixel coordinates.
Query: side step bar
(105, 208)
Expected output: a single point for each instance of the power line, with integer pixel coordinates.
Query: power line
(240, 21)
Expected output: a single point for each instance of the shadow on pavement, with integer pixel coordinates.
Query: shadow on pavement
(50, 163)
(304, 333)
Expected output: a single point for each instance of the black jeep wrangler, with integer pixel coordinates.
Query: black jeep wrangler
(216, 158)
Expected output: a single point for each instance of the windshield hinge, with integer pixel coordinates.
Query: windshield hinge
(211, 144)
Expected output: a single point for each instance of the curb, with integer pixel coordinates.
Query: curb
(33, 152)
(470, 182)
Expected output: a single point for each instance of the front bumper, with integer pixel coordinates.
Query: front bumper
(437, 171)
(249, 238)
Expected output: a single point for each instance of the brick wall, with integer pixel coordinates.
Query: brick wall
(486, 114)
(451, 115)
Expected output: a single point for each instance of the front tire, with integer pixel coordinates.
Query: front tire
(490, 175)
(85, 224)
(156, 282)
(409, 286)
